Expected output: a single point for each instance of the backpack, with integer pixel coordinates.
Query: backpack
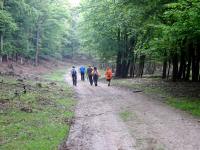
(73, 72)
(89, 71)
(95, 73)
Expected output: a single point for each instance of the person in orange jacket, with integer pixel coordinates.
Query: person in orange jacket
(108, 75)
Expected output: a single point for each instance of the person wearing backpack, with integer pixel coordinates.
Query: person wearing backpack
(108, 75)
(82, 71)
(96, 75)
(74, 75)
(89, 74)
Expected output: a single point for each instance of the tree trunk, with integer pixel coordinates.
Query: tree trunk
(132, 62)
(5, 58)
(37, 46)
(195, 65)
(119, 56)
(182, 66)
(197, 69)
(118, 66)
(164, 74)
(27, 42)
(141, 65)
(175, 67)
(123, 66)
(131, 70)
(198, 62)
(16, 57)
(132, 54)
(187, 78)
(126, 59)
(169, 68)
(1, 42)
(184, 71)
(21, 61)
(128, 68)
(1, 37)
(1, 34)
(189, 51)
(123, 69)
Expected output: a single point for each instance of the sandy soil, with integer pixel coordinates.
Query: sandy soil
(151, 125)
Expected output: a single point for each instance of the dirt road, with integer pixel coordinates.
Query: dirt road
(149, 124)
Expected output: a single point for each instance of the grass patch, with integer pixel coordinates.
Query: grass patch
(190, 105)
(56, 76)
(126, 115)
(39, 119)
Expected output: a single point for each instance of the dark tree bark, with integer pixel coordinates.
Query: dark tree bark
(5, 58)
(37, 46)
(127, 68)
(187, 78)
(1, 37)
(119, 56)
(181, 72)
(131, 70)
(141, 65)
(175, 67)
(164, 74)
(134, 65)
(189, 51)
(132, 55)
(169, 68)
(123, 69)
(1, 40)
(198, 62)
(195, 65)
(125, 59)
(16, 57)
(184, 71)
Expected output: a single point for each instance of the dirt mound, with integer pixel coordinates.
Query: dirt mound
(29, 70)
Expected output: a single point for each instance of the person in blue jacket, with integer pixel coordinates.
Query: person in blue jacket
(82, 71)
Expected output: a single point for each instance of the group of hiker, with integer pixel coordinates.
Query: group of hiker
(92, 75)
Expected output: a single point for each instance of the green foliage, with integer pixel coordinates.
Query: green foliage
(6, 22)
(20, 20)
(158, 29)
(97, 29)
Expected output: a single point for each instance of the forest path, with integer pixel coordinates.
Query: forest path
(147, 125)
